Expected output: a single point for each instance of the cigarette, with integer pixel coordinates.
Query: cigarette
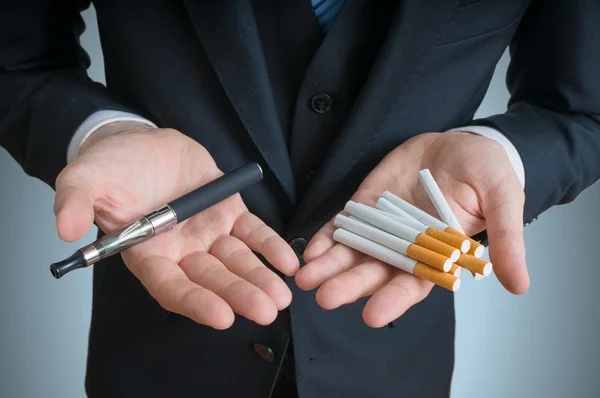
(408, 221)
(397, 260)
(475, 264)
(453, 254)
(456, 270)
(445, 212)
(439, 201)
(378, 218)
(476, 250)
(385, 222)
(438, 227)
(388, 207)
(392, 242)
(414, 211)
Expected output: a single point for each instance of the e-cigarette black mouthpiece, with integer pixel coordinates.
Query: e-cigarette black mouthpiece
(76, 261)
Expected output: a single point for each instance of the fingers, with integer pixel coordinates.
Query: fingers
(394, 299)
(238, 259)
(211, 288)
(74, 207)
(338, 259)
(264, 240)
(394, 291)
(320, 243)
(323, 239)
(359, 281)
(171, 287)
(503, 211)
(242, 296)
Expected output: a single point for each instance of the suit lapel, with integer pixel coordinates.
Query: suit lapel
(226, 25)
(411, 36)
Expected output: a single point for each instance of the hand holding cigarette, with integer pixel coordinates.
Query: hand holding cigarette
(375, 248)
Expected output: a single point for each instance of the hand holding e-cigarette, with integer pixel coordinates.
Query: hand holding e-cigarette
(393, 242)
(178, 222)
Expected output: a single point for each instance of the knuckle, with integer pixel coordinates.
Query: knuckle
(256, 231)
(360, 279)
(170, 132)
(403, 291)
(72, 171)
(256, 298)
(503, 233)
(237, 254)
(210, 271)
(181, 302)
(164, 296)
(236, 287)
(258, 274)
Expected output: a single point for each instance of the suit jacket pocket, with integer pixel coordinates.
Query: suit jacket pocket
(473, 18)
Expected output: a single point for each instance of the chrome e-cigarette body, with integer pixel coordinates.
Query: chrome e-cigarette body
(133, 234)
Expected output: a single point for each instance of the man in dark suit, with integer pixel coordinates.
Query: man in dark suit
(337, 100)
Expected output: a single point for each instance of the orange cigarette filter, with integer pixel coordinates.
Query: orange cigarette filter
(476, 249)
(455, 270)
(475, 264)
(429, 257)
(458, 242)
(438, 277)
(437, 246)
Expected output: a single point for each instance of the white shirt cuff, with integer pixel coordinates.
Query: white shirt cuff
(511, 151)
(94, 122)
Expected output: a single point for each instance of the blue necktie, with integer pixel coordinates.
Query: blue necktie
(326, 11)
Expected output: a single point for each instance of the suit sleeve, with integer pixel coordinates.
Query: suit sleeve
(45, 93)
(553, 116)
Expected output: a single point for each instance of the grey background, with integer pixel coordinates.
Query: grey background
(542, 344)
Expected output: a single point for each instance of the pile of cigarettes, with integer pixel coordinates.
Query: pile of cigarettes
(404, 236)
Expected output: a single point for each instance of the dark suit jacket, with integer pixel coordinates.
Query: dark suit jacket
(239, 77)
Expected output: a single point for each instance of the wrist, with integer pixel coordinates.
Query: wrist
(111, 129)
(510, 150)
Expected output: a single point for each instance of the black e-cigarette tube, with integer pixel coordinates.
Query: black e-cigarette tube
(215, 191)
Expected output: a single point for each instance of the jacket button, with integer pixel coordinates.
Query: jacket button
(298, 244)
(310, 175)
(321, 103)
(264, 352)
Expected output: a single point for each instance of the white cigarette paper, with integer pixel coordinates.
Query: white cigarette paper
(443, 209)
(393, 258)
(409, 222)
(371, 233)
(417, 226)
(420, 215)
(392, 242)
(439, 201)
(381, 221)
(388, 207)
(375, 250)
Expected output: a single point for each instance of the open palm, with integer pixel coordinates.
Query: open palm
(483, 192)
(205, 268)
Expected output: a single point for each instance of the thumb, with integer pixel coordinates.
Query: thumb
(73, 207)
(503, 211)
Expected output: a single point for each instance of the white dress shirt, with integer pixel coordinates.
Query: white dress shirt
(104, 117)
